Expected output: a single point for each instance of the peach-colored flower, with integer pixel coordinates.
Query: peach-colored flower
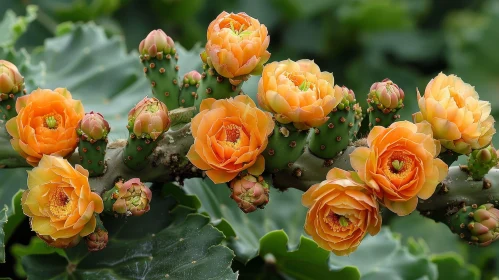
(298, 92)
(45, 125)
(229, 137)
(460, 121)
(342, 210)
(400, 164)
(59, 202)
(237, 46)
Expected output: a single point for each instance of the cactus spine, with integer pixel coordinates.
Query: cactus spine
(190, 85)
(213, 85)
(286, 144)
(11, 87)
(146, 123)
(92, 131)
(385, 99)
(332, 137)
(159, 57)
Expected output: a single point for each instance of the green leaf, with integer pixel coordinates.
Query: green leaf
(383, 257)
(249, 228)
(10, 212)
(13, 26)
(168, 242)
(35, 247)
(452, 266)
(308, 261)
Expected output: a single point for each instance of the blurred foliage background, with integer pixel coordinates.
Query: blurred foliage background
(360, 41)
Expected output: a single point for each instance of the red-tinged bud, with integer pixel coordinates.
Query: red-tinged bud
(93, 126)
(157, 42)
(148, 119)
(249, 193)
(192, 78)
(485, 225)
(130, 198)
(387, 95)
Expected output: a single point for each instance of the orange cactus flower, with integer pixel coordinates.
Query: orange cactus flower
(59, 202)
(229, 137)
(298, 92)
(45, 125)
(458, 118)
(237, 46)
(400, 164)
(342, 210)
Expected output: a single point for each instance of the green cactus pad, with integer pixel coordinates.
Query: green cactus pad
(383, 118)
(92, 155)
(137, 150)
(327, 140)
(8, 103)
(188, 95)
(162, 72)
(286, 145)
(212, 85)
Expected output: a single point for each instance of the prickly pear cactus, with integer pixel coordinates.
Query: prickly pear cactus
(385, 99)
(189, 87)
(92, 142)
(327, 140)
(159, 57)
(11, 87)
(213, 85)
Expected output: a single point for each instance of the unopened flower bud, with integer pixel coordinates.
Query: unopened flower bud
(148, 119)
(192, 78)
(131, 198)
(93, 126)
(481, 161)
(11, 80)
(157, 42)
(485, 225)
(249, 193)
(387, 95)
(97, 240)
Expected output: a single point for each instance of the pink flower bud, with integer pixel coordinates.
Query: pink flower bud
(93, 126)
(10, 79)
(192, 78)
(388, 94)
(149, 118)
(132, 198)
(157, 42)
(249, 193)
(97, 240)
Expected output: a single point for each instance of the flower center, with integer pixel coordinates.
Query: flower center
(338, 223)
(52, 121)
(60, 204)
(398, 166)
(232, 135)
